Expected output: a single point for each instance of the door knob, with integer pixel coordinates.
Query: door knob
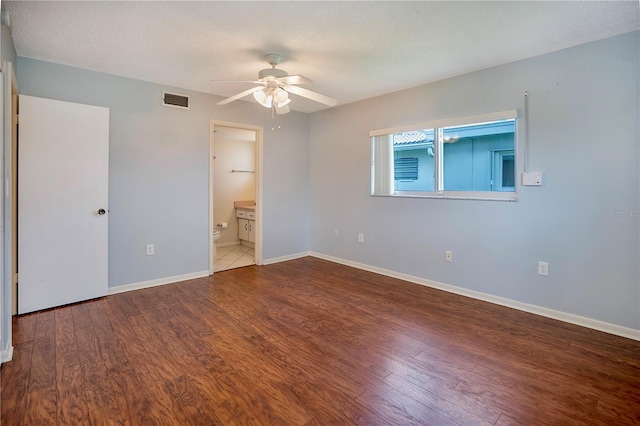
(101, 212)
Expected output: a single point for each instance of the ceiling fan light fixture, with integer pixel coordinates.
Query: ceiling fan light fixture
(282, 109)
(263, 97)
(280, 96)
(285, 103)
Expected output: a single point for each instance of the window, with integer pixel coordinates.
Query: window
(471, 157)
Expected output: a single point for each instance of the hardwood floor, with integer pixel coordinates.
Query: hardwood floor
(309, 342)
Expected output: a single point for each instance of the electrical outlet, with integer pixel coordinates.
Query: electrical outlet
(150, 250)
(336, 232)
(361, 238)
(543, 269)
(448, 256)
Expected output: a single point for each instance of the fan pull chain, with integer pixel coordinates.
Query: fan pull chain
(273, 117)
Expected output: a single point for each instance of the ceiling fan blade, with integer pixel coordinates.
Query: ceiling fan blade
(294, 79)
(311, 95)
(282, 110)
(240, 95)
(236, 81)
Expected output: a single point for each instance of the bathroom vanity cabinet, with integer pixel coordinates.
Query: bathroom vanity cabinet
(246, 225)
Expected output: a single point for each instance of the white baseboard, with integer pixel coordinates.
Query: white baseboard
(285, 258)
(6, 355)
(157, 282)
(618, 330)
(229, 244)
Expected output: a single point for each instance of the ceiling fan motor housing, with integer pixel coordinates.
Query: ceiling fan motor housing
(272, 72)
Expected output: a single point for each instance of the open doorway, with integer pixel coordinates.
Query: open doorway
(234, 196)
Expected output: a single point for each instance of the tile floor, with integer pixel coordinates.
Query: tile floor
(233, 257)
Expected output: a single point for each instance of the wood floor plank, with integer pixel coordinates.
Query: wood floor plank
(432, 401)
(613, 410)
(72, 407)
(23, 330)
(148, 404)
(65, 338)
(328, 405)
(14, 385)
(41, 405)
(44, 353)
(311, 342)
(521, 399)
(104, 403)
(219, 387)
(391, 406)
(196, 408)
(142, 408)
(431, 382)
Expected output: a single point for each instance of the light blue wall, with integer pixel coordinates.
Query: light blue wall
(584, 137)
(158, 170)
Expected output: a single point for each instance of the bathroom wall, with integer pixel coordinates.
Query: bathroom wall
(228, 186)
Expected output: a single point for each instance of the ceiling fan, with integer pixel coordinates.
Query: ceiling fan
(274, 86)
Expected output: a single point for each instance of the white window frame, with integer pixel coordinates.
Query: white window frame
(381, 173)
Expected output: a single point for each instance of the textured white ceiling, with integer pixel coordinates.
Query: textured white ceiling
(351, 50)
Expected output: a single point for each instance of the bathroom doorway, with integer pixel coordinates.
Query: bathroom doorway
(235, 211)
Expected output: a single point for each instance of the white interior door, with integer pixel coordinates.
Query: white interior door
(63, 171)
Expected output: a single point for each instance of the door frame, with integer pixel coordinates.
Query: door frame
(11, 185)
(8, 207)
(259, 188)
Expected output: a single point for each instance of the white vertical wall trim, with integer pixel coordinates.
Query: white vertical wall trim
(618, 330)
(7, 355)
(211, 196)
(5, 318)
(259, 193)
(8, 85)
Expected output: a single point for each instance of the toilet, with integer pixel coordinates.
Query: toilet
(216, 237)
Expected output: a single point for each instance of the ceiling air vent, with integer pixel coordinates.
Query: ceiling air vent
(175, 100)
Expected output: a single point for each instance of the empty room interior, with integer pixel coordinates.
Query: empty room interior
(320, 213)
